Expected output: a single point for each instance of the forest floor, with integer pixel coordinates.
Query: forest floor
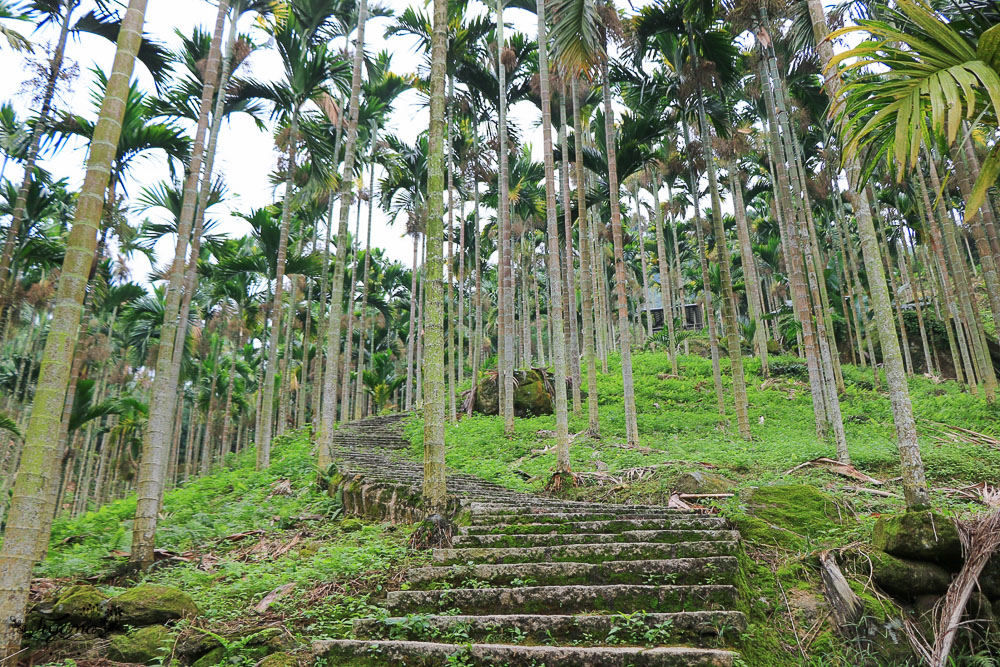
(679, 431)
(237, 539)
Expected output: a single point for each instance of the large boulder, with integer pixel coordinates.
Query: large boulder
(699, 481)
(533, 393)
(488, 396)
(908, 579)
(144, 645)
(925, 535)
(80, 605)
(150, 604)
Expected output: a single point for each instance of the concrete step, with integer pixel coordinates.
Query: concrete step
(612, 526)
(691, 627)
(489, 507)
(483, 519)
(429, 654)
(541, 540)
(675, 571)
(585, 553)
(563, 599)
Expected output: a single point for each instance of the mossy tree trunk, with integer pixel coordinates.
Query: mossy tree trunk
(329, 411)
(434, 490)
(914, 480)
(156, 443)
(25, 529)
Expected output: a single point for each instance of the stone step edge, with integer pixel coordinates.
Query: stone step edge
(501, 653)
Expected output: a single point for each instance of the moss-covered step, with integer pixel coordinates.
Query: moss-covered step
(566, 599)
(673, 571)
(698, 628)
(536, 504)
(541, 540)
(357, 653)
(585, 553)
(483, 518)
(612, 526)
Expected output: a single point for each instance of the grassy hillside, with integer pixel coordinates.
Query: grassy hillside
(231, 538)
(678, 425)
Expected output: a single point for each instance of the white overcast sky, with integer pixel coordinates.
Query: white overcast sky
(246, 155)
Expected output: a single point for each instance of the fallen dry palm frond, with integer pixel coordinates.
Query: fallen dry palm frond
(620, 478)
(980, 538)
(942, 432)
(844, 469)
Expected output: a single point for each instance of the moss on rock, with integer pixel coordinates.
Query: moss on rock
(213, 657)
(279, 660)
(351, 525)
(143, 645)
(80, 605)
(908, 578)
(699, 481)
(800, 508)
(150, 604)
(925, 535)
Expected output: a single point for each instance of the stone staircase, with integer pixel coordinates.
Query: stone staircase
(533, 581)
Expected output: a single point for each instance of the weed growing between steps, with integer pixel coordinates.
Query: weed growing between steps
(237, 535)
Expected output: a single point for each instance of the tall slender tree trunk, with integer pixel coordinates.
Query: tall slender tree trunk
(914, 480)
(277, 307)
(554, 270)
(663, 263)
(414, 329)
(750, 277)
(156, 444)
(24, 531)
(434, 490)
(505, 305)
(359, 395)
(322, 322)
(617, 234)
(345, 381)
(728, 297)
(329, 412)
(573, 352)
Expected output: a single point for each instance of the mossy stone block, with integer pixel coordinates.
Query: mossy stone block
(143, 645)
(800, 508)
(150, 604)
(210, 659)
(908, 578)
(924, 535)
(699, 481)
(279, 660)
(351, 525)
(80, 605)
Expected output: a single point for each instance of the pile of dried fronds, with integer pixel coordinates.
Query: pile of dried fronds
(980, 540)
(956, 434)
